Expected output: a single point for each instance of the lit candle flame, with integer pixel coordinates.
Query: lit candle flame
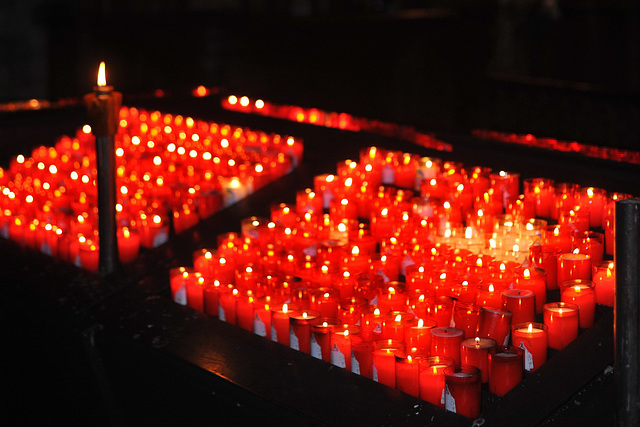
(477, 340)
(285, 308)
(530, 328)
(102, 78)
(398, 318)
(420, 323)
(526, 273)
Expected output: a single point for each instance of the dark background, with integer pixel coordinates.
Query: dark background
(560, 68)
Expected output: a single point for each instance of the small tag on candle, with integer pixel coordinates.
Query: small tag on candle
(4, 231)
(506, 339)
(181, 295)
(355, 365)
(406, 262)
(293, 340)
(388, 175)
(449, 401)
(221, 314)
(337, 357)
(311, 250)
(78, 262)
(274, 334)
(375, 373)
(160, 238)
(378, 328)
(316, 351)
(374, 301)
(385, 279)
(327, 197)
(259, 328)
(45, 249)
(528, 357)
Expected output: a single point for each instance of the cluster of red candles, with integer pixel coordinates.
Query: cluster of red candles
(172, 171)
(331, 119)
(609, 153)
(409, 271)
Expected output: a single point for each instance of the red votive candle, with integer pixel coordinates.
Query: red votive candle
(489, 295)
(371, 324)
(495, 324)
(384, 364)
(445, 341)
(418, 335)
(560, 236)
(325, 301)
(211, 297)
(562, 322)
(463, 390)
(321, 338)
(341, 345)
(505, 368)
(432, 378)
(178, 278)
(604, 279)
(262, 315)
(521, 303)
(245, 310)
(228, 300)
(300, 337)
(546, 258)
(394, 324)
(466, 316)
(280, 325)
(195, 292)
(573, 266)
(475, 352)
(532, 338)
(532, 279)
(582, 294)
(362, 357)
(407, 372)
(441, 310)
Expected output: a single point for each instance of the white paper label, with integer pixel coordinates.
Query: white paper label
(388, 175)
(337, 358)
(221, 315)
(316, 351)
(406, 262)
(160, 238)
(355, 365)
(374, 301)
(77, 262)
(528, 357)
(385, 279)
(449, 401)
(327, 197)
(259, 328)
(375, 373)
(274, 334)
(181, 295)
(293, 340)
(45, 248)
(311, 250)
(506, 339)
(378, 328)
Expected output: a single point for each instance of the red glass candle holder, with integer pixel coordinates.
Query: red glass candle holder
(521, 303)
(506, 369)
(445, 341)
(495, 324)
(463, 390)
(362, 357)
(604, 279)
(466, 316)
(384, 363)
(301, 323)
(532, 338)
(546, 258)
(532, 279)
(573, 266)
(394, 324)
(408, 372)
(562, 322)
(280, 324)
(475, 352)
(417, 335)
(432, 380)
(581, 293)
(321, 338)
(341, 337)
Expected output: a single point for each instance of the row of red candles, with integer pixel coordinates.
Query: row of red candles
(171, 171)
(339, 275)
(331, 119)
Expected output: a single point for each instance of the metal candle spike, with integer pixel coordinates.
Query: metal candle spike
(103, 106)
